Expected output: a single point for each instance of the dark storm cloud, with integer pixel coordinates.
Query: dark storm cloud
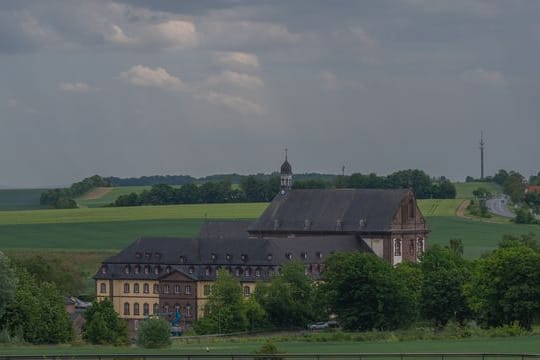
(132, 88)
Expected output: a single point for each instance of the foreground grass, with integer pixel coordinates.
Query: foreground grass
(520, 344)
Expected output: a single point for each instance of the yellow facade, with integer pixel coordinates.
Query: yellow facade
(124, 292)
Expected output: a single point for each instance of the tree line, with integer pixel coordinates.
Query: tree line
(63, 198)
(256, 189)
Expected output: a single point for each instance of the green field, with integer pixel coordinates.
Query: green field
(437, 207)
(20, 199)
(111, 196)
(521, 344)
(465, 190)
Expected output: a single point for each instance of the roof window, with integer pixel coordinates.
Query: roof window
(182, 259)
(244, 257)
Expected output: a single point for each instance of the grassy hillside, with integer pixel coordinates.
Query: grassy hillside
(438, 207)
(464, 190)
(20, 199)
(111, 196)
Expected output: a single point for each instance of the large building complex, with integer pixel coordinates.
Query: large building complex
(166, 275)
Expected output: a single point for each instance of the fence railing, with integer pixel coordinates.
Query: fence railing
(348, 356)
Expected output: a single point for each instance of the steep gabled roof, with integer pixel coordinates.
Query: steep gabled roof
(341, 210)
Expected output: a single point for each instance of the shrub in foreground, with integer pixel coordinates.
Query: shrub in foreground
(154, 333)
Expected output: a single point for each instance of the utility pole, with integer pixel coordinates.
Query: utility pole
(482, 155)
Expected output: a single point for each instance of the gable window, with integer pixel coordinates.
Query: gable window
(136, 309)
(126, 288)
(126, 308)
(156, 289)
(247, 291)
(102, 288)
(165, 289)
(188, 289)
(136, 288)
(177, 289)
(146, 309)
(397, 247)
(146, 288)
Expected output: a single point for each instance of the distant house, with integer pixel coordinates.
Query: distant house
(532, 189)
(163, 276)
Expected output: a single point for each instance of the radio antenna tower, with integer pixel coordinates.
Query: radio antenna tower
(482, 143)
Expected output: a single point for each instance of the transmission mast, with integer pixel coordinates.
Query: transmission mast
(482, 143)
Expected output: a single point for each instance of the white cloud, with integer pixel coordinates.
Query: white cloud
(236, 79)
(75, 87)
(246, 33)
(140, 75)
(117, 36)
(174, 33)
(238, 58)
(484, 77)
(236, 103)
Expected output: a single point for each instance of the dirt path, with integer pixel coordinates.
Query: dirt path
(461, 209)
(96, 193)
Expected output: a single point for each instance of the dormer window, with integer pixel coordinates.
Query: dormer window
(147, 255)
(257, 272)
(304, 255)
(213, 257)
(362, 223)
(137, 269)
(191, 270)
(307, 224)
(238, 271)
(182, 259)
(208, 271)
(126, 269)
(138, 255)
(168, 269)
(147, 269)
(228, 257)
(319, 255)
(269, 257)
(103, 269)
(247, 272)
(244, 257)
(157, 256)
(289, 256)
(157, 270)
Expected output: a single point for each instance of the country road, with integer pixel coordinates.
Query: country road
(498, 206)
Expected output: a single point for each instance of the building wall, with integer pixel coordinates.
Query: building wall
(120, 297)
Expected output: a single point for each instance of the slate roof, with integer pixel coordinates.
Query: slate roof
(286, 168)
(330, 210)
(231, 249)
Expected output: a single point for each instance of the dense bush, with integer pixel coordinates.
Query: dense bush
(154, 333)
(63, 198)
(103, 325)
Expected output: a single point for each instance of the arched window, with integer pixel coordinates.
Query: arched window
(155, 309)
(397, 247)
(126, 308)
(146, 309)
(165, 289)
(188, 310)
(188, 289)
(136, 309)
(126, 288)
(146, 288)
(156, 289)
(247, 272)
(420, 246)
(176, 307)
(103, 288)
(136, 288)
(247, 291)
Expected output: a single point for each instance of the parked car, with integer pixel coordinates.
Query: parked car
(318, 326)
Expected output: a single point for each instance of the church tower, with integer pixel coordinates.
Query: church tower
(286, 175)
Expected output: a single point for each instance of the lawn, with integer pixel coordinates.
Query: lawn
(465, 190)
(522, 344)
(20, 199)
(439, 207)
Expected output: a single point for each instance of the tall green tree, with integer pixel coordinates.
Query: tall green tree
(154, 333)
(505, 286)
(8, 284)
(444, 275)
(367, 293)
(103, 325)
(288, 298)
(38, 314)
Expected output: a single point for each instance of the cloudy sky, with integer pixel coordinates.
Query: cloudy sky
(131, 88)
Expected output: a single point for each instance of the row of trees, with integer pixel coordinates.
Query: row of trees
(260, 189)
(501, 288)
(63, 198)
